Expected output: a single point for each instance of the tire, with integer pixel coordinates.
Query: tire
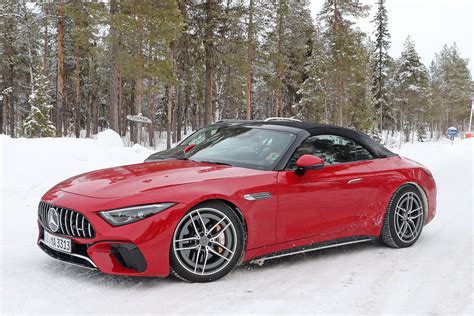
(404, 218)
(199, 254)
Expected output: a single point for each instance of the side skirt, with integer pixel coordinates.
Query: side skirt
(314, 247)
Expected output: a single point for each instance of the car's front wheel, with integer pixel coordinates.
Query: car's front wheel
(208, 243)
(404, 218)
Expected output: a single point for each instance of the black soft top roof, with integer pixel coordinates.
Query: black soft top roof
(320, 129)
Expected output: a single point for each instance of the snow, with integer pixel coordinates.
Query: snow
(433, 276)
(109, 138)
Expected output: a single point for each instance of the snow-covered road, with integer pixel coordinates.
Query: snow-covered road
(433, 276)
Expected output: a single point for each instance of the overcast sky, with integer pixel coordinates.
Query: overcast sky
(430, 23)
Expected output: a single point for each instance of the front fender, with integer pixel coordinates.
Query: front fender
(260, 215)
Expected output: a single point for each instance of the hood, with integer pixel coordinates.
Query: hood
(142, 178)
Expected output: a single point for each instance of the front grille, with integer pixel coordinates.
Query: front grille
(71, 223)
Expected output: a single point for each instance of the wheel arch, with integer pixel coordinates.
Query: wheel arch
(234, 208)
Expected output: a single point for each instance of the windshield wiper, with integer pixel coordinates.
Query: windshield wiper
(217, 162)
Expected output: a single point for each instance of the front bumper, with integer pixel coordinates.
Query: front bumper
(111, 257)
(72, 258)
(138, 249)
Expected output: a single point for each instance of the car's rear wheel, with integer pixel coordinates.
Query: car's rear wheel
(207, 244)
(404, 218)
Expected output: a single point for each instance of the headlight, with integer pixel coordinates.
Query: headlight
(132, 214)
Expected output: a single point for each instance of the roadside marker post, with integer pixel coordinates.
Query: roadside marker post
(469, 130)
(139, 119)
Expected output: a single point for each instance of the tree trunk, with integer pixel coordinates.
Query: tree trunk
(60, 69)
(121, 112)
(209, 62)
(7, 76)
(249, 62)
(45, 45)
(139, 82)
(30, 56)
(66, 116)
(279, 67)
(340, 100)
(4, 108)
(173, 122)
(5, 114)
(88, 115)
(169, 115)
(151, 115)
(199, 115)
(277, 102)
(94, 112)
(90, 99)
(184, 75)
(178, 116)
(338, 69)
(112, 101)
(131, 110)
(11, 109)
(77, 89)
(185, 119)
(194, 116)
(8, 104)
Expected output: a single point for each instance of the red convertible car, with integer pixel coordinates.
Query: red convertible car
(251, 192)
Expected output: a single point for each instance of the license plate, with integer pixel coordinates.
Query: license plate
(57, 243)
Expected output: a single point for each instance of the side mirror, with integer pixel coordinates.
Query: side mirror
(308, 162)
(189, 147)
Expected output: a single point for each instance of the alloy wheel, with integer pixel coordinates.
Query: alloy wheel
(205, 241)
(408, 217)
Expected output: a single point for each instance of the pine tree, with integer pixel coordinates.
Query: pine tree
(19, 43)
(112, 100)
(435, 109)
(287, 47)
(230, 63)
(60, 124)
(315, 92)
(381, 61)
(359, 98)
(338, 16)
(412, 91)
(451, 79)
(84, 17)
(38, 123)
(298, 46)
(211, 17)
(146, 30)
(337, 89)
(250, 51)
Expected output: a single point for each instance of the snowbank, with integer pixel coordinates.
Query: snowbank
(434, 276)
(109, 138)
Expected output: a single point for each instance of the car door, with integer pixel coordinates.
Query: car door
(328, 200)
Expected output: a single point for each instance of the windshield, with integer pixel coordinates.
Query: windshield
(243, 147)
(200, 136)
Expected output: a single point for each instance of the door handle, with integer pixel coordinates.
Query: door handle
(355, 180)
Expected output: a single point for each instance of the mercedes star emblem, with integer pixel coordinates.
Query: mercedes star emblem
(53, 220)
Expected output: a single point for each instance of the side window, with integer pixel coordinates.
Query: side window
(332, 149)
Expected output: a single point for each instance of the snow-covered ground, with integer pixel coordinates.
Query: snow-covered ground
(433, 276)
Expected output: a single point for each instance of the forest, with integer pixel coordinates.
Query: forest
(74, 68)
